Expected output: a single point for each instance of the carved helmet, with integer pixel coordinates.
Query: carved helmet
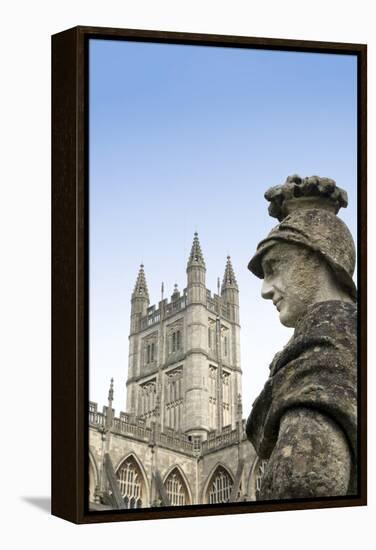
(306, 209)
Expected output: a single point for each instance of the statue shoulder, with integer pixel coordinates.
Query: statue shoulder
(330, 318)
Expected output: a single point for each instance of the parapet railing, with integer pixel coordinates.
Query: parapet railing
(176, 442)
(154, 316)
(175, 305)
(212, 305)
(151, 319)
(96, 418)
(136, 428)
(217, 440)
(221, 440)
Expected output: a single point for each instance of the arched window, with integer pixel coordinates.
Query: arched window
(91, 482)
(131, 483)
(226, 398)
(220, 486)
(260, 474)
(148, 354)
(174, 399)
(174, 340)
(176, 489)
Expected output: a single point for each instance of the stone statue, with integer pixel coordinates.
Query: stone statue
(304, 422)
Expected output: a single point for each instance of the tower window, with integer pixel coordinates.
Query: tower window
(150, 352)
(174, 341)
(174, 399)
(226, 398)
(147, 401)
(212, 386)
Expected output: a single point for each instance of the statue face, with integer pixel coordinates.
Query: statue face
(292, 280)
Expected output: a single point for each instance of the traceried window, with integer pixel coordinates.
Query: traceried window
(147, 401)
(178, 343)
(150, 349)
(225, 342)
(131, 483)
(176, 489)
(225, 346)
(174, 341)
(150, 353)
(215, 328)
(211, 334)
(260, 474)
(92, 486)
(174, 398)
(212, 397)
(226, 398)
(220, 486)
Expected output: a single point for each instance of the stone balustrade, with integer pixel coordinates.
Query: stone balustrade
(96, 419)
(169, 308)
(136, 428)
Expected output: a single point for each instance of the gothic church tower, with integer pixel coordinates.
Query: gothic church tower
(184, 370)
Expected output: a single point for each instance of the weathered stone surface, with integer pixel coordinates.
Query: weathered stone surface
(311, 458)
(310, 221)
(295, 278)
(316, 371)
(304, 422)
(311, 192)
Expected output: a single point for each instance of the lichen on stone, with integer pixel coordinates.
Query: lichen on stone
(312, 192)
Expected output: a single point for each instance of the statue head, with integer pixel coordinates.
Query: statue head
(309, 256)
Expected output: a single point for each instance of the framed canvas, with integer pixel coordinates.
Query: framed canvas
(163, 146)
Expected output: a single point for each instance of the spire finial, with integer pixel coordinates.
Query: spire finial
(240, 406)
(196, 257)
(141, 288)
(229, 279)
(109, 411)
(111, 393)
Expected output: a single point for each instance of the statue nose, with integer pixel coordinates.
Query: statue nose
(267, 290)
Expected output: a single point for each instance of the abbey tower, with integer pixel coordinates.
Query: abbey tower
(182, 435)
(184, 355)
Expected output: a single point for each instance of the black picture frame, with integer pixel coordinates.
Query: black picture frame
(70, 271)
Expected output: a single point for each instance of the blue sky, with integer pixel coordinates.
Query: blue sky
(186, 138)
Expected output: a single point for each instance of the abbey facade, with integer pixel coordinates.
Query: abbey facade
(181, 440)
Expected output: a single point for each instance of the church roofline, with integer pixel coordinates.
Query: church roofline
(133, 428)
